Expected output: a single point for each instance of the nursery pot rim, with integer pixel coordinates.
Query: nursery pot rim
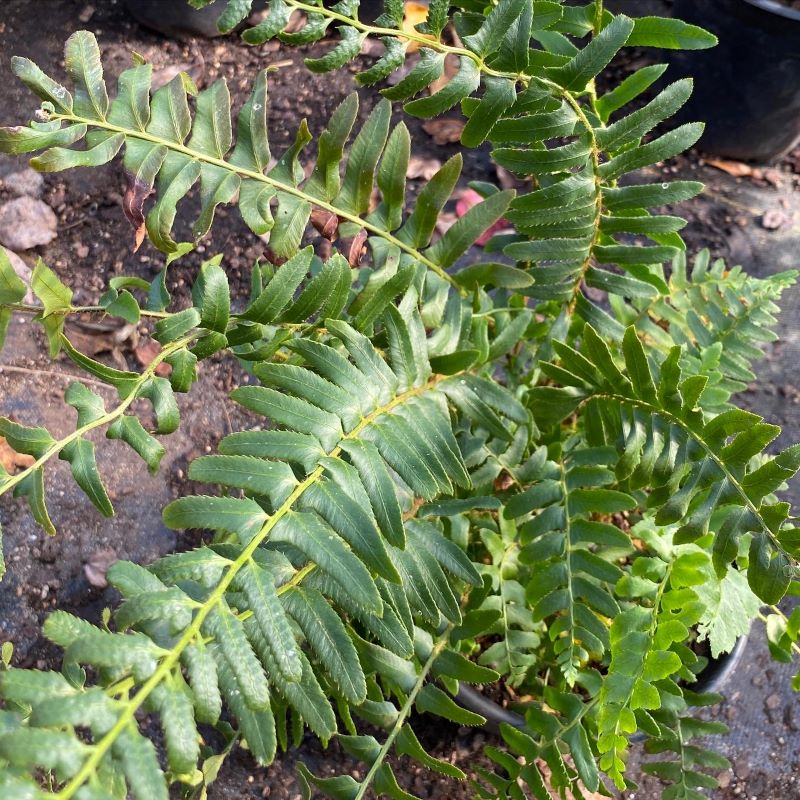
(719, 670)
(773, 7)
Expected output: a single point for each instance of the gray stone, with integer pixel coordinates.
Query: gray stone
(25, 182)
(25, 223)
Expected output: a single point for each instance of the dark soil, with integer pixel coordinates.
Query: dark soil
(94, 243)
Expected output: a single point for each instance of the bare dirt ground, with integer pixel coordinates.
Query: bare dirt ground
(93, 243)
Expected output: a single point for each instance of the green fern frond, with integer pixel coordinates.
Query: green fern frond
(570, 553)
(363, 440)
(167, 152)
(686, 774)
(720, 315)
(283, 303)
(577, 222)
(533, 758)
(692, 465)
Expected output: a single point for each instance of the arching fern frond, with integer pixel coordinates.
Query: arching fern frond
(534, 758)
(360, 442)
(496, 40)
(540, 112)
(693, 466)
(167, 152)
(284, 302)
(439, 659)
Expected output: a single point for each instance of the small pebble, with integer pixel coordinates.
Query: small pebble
(24, 182)
(26, 222)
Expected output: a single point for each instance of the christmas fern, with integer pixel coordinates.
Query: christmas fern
(167, 152)
(573, 229)
(333, 528)
(527, 470)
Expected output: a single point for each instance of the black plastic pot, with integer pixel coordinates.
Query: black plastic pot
(711, 679)
(747, 89)
(176, 18)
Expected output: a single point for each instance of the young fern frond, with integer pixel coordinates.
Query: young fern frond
(557, 726)
(518, 634)
(692, 465)
(284, 303)
(497, 43)
(360, 440)
(437, 659)
(684, 774)
(651, 664)
(56, 306)
(167, 152)
(646, 685)
(570, 554)
(720, 315)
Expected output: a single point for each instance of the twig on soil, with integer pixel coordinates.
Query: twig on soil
(54, 374)
(73, 224)
(733, 203)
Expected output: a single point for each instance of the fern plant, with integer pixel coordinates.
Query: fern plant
(467, 473)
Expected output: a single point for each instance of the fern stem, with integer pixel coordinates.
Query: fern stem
(438, 647)
(295, 580)
(25, 308)
(105, 419)
(169, 662)
(286, 188)
(598, 17)
(413, 36)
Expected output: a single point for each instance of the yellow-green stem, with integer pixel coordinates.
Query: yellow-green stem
(439, 645)
(104, 419)
(286, 188)
(171, 660)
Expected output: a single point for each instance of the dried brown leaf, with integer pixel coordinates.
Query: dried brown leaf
(736, 168)
(326, 223)
(97, 566)
(146, 351)
(444, 130)
(445, 221)
(163, 75)
(451, 65)
(355, 247)
(414, 14)
(424, 168)
(11, 459)
(136, 192)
